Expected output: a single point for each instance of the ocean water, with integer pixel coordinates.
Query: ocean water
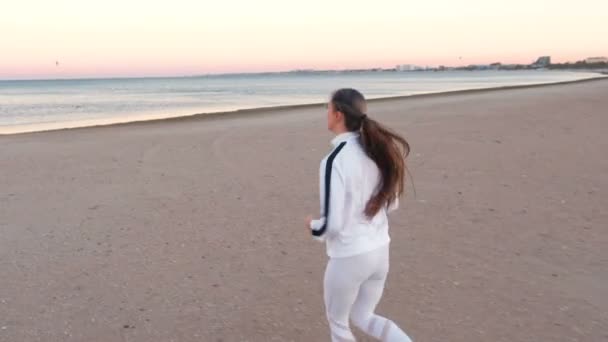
(51, 104)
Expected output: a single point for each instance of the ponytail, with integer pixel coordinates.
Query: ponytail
(385, 147)
(388, 150)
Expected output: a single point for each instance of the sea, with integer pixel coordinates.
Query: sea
(36, 105)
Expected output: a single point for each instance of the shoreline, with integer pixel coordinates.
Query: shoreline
(222, 115)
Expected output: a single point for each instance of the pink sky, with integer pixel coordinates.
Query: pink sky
(185, 37)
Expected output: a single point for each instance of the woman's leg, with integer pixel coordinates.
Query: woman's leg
(369, 295)
(343, 277)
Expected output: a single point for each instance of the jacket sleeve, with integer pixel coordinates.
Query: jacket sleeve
(337, 196)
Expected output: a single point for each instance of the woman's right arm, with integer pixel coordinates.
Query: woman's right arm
(325, 226)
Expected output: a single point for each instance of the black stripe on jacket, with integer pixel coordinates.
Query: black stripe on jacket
(328, 167)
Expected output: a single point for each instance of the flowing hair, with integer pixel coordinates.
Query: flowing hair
(385, 147)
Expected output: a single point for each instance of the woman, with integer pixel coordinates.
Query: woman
(360, 182)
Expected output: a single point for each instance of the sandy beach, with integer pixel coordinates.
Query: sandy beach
(192, 229)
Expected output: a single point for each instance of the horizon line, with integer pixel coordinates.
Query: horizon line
(304, 70)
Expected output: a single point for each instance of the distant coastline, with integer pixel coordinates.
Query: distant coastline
(541, 64)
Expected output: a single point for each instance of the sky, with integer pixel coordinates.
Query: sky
(110, 38)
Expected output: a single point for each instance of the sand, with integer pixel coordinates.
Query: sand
(192, 229)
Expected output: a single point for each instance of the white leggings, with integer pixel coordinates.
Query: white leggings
(353, 287)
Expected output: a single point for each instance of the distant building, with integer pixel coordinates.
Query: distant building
(593, 60)
(542, 62)
(405, 67)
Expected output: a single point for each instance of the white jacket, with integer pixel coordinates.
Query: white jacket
(354, 179)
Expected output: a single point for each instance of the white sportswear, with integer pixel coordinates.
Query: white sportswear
(354, 179)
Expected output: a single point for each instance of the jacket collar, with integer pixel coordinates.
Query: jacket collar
(342, 137)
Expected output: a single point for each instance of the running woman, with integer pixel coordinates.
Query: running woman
(361, 181)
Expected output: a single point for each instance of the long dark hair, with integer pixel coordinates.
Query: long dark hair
(385, 147)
